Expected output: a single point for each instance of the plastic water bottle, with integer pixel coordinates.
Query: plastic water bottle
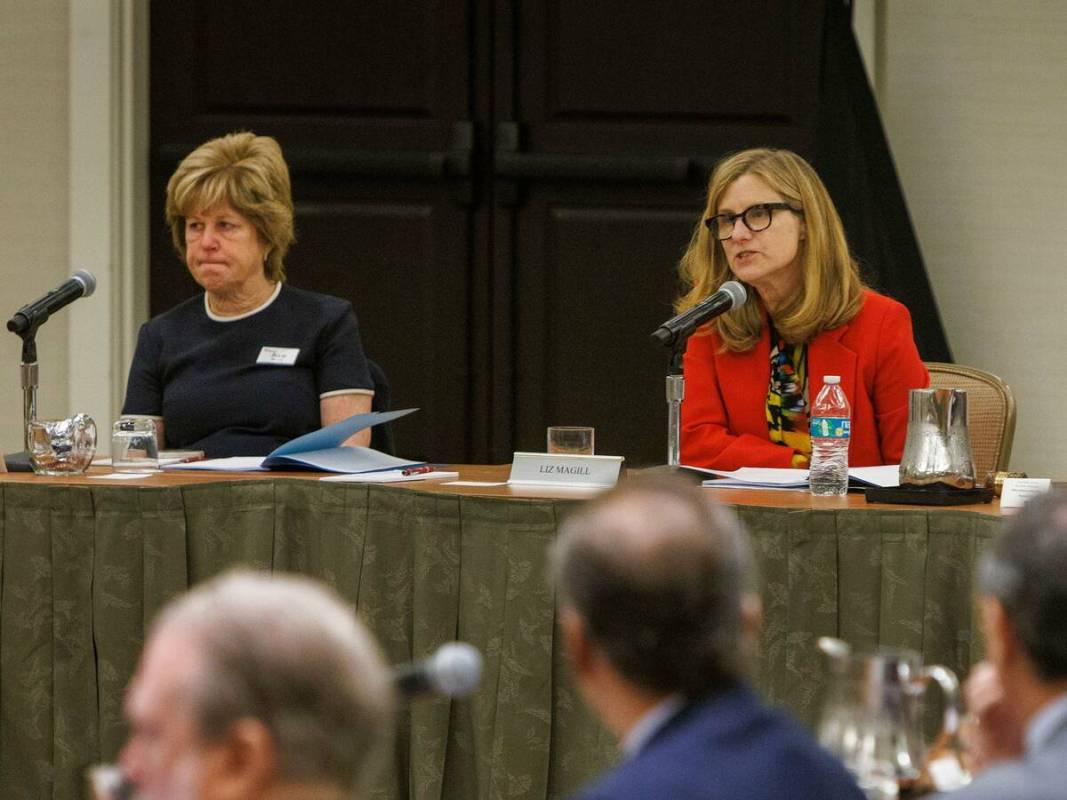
(830, 423)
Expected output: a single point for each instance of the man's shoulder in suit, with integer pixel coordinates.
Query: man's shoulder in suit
(728, 746)
(1039, 776)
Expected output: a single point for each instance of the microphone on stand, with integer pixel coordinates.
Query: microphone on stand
(731, 295)
(32, 315)
(453, 671)
(25, 323)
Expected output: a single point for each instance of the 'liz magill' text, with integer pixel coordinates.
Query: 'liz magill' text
(558, 469)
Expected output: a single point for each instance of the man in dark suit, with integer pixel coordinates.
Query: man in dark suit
(656, 623)
(1020, 696)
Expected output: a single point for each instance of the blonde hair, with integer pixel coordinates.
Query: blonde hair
(247, 173)
(831, 289)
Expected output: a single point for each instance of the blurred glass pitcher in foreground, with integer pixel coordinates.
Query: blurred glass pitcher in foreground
(872, 721)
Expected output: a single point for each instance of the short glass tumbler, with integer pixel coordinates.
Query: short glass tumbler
(134, 446)
(61, 446)
(571, 440)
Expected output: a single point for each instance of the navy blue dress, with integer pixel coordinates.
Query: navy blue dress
(207, 379)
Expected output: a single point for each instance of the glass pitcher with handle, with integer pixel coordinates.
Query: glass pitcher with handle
(872, 721)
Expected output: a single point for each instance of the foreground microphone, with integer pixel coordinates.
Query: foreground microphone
(32, 315)
(453, 671)
(730, 296)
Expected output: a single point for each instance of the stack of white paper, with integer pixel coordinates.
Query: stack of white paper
(770, 478)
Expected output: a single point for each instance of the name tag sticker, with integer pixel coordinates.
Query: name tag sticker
(557, 469)
(1017, 491)
(278, 356)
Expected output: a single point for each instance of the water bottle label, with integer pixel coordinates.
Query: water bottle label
(830, 427)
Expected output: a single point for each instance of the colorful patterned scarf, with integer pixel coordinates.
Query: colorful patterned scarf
(787, 402)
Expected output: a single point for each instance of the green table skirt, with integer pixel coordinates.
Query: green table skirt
(84, 569)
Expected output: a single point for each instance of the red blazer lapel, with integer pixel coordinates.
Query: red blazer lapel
(743, 379)
(828, 356)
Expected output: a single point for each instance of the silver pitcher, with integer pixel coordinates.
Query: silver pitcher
(872, 716)
(938, 447)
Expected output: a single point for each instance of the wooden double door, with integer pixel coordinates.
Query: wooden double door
(502, 189)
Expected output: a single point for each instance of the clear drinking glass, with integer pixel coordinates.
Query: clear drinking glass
(571, 440)
(134, 446)
(61, 446)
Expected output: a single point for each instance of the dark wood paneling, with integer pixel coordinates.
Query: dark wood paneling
(368, 101)
(629, 77)
(401, 265)
(600, 65)
(377, 74)
(502, 189)
(619, 111)
(595, 284)
(278, 61)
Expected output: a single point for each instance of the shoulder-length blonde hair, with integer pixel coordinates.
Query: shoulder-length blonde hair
(831, 291)
(247, 173)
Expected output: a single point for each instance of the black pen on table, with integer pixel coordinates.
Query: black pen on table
(418, 470)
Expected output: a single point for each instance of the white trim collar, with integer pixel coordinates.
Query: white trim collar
(212, 315)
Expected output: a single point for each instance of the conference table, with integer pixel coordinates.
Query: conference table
(87, 561)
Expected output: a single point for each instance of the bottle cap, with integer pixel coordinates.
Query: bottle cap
(831, 379)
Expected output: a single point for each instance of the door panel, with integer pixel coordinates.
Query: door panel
(619, 114)
(370, 103)
(405, 279)
(596, 285)
(365, 59)
(599, 64)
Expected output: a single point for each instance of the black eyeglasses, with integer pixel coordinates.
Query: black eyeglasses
(756, 218)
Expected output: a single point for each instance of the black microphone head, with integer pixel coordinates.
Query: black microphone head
(456, 669)
(728, 297)
(737, 293)
(87, 280)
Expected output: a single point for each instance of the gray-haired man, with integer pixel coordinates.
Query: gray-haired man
(1023, 714)
(255, 686)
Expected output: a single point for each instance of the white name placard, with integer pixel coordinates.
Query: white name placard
(279, 356)
(1016, 492)
(557, 469)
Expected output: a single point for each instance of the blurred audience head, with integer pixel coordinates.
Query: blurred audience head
(253, 686)
(650, 577)
(1024, 578)
(245, 172)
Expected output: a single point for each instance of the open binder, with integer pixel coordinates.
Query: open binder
(319, 450)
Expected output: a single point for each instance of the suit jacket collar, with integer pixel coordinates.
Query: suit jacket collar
(650, 723)
(728, 704)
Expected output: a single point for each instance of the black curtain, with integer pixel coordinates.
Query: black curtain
(852, 155)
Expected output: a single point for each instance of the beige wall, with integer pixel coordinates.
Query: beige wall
(73, 163)
(974, 98)
(33, 196)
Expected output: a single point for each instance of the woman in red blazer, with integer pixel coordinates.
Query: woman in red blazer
(752, 374)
